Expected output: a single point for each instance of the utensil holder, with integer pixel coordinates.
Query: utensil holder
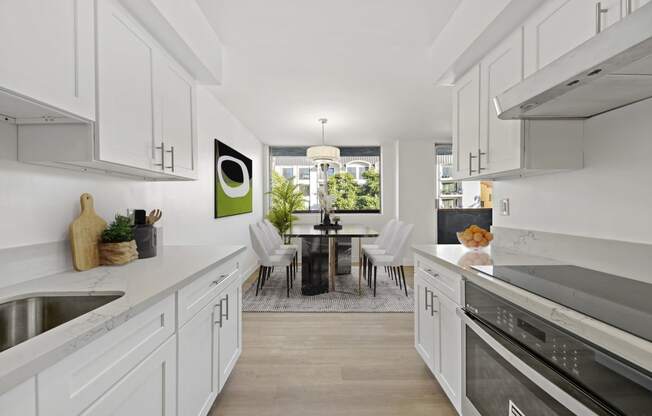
(145, 236)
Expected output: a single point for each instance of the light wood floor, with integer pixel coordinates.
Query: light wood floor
(330, 364)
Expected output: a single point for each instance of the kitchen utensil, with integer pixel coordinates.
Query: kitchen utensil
(140, 217)
(85, 233)
(154, 216)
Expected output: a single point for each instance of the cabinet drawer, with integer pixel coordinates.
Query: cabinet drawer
(196, 295)
(74, 383)
(447, 281)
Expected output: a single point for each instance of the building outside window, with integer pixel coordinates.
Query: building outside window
(288, 173)
(355, 182)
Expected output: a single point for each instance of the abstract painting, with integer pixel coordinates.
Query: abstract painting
(233, 186)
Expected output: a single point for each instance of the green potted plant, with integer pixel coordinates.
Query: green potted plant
(118, 245)
(286, 199)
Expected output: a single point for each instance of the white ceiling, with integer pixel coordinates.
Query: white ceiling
(363, 64)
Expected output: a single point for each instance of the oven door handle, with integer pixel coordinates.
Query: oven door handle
(549, 387)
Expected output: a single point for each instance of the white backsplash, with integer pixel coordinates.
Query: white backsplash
(622, 258)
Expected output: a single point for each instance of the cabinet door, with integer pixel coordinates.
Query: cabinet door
(555, 28)
(466, 123)
(424, 323)
(197, 388)
(47, 52)
(149, 389)
(451, 350)
(635, 4)
(230, 339)
(501, 140)
(612, 12)
(20, 400)
(174, 108)
(125, 78)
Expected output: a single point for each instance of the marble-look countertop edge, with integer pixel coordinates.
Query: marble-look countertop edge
(102, 326)
(629, 347)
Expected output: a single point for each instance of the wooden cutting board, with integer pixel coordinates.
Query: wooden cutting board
(85, 233)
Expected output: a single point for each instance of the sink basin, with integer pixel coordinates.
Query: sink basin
(25, 318)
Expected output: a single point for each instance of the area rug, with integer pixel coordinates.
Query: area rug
(272, 298)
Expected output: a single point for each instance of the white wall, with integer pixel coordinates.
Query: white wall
(610, 198)
(416, 190)
(37, 203)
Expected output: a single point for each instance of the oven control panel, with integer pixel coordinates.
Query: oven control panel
(555, 346)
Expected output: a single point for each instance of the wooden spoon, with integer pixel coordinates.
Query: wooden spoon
(154, 216)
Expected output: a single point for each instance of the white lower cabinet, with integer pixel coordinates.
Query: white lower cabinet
(20, 400)
(147, 366)
(198, 341)
(149, 389)
(426, 325)
(438, 334)
(209, 347)
(450, 346)
(230, 331)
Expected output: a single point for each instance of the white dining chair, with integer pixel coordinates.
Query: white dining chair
(268, 259)
(275, 242)
(383, 248)
(392, 258)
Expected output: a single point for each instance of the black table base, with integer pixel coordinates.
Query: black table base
(314, 260)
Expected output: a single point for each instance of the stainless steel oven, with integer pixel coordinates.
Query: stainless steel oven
(517, 364)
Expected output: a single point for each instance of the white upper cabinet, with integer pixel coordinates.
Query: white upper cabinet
(485, 147)
(145, 114)
(630, 6)
(174, 108)
(466, 123)
(125, 89)
(561, 25)
(47, 55)
(500, 143)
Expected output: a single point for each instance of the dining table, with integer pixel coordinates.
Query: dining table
(326, 253)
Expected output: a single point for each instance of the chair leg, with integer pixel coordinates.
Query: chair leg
(398, 277)
(375, 273)
(260, 273)
(287, 280)
(404, 283)
(369, 272)
(364, 266)
(266, 274)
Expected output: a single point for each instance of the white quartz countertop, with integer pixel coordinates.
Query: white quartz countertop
(143, 282)
(459, 259)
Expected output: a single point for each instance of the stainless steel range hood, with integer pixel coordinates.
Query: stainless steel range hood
(611, 70)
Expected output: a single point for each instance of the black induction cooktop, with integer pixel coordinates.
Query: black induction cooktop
(623, 303)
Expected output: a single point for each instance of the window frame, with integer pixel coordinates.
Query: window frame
(378, 211)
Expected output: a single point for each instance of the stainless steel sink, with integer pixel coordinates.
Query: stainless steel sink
(25, 318)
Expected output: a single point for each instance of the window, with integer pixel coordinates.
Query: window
(358, 192)
(288, 173)
(304, 174)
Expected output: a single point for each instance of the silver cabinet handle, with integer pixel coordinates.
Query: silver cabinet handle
(226, 299)
(480, 154)
(432, 273)
(220, 314)
(471, 157)
(599, 10)
(162, 149)
(426, 293)
(628, 7)
(171, 151)
(432, 303)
